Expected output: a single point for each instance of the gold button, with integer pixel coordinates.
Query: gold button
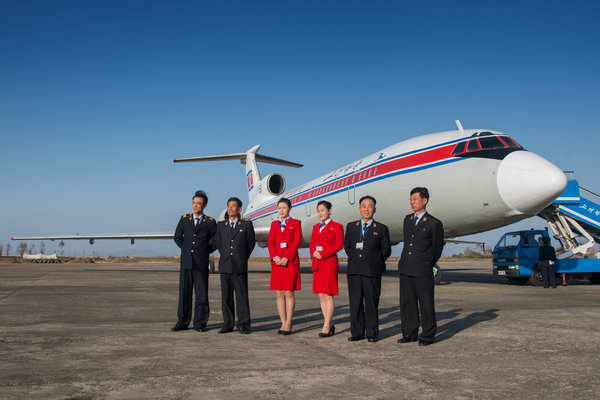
(409, 253)
(360, 255)
(192, 251)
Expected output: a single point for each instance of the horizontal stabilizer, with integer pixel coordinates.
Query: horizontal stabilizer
(242, 157)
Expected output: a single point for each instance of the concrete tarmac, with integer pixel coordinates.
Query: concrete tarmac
(102, 331)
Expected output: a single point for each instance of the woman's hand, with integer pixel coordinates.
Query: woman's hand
(284, 262)
(317, 255)
(277, 260)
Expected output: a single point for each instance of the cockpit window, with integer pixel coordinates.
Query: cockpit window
(459, 148)
(491, 142)
(510, 142)
(473, 145)
(486, 141)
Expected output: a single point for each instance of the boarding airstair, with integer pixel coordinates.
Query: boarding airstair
(574, 218)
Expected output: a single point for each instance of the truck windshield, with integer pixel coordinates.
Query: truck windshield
(509, 241)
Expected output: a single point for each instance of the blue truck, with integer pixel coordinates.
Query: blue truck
(516, 258)
(574, 218)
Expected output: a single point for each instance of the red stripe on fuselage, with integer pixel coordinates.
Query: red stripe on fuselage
(375, 170)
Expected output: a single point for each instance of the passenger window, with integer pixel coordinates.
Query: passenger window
(491, 142)
(459, 148)
(473, 145)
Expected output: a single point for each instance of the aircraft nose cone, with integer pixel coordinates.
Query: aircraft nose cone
(528, 182)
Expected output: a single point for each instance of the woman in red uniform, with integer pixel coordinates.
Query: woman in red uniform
(284, 241)
(326, 240)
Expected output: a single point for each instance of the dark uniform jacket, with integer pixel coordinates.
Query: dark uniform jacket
(195, 240)
(370, 260)
(234, 245)
(423, 245)
(547, 253)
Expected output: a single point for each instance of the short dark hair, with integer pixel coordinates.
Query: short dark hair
(546, 240)
(423, 192)
(286, 201)
(368, 198)
(324, 203)
(202, 195)
(238, 201)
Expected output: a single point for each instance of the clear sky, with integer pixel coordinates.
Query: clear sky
(98, 97)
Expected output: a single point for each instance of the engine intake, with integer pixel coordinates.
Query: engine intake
(274, 184)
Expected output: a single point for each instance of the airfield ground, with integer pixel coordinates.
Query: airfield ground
(102, 331)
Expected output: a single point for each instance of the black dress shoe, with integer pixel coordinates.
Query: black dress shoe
(248, 331)
(406, 339)
(285, 333)
(178, 328)
(280, 332)
(223, 330)
(424, 343)
(356, 338)
(372, 339)
(200, 329)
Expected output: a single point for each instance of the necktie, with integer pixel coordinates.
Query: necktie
(364, 229)
(322, 225)
(232, 225)
(197, 221)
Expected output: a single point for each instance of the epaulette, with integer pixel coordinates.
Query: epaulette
(245, 219)
(209, 218)
(185, 216)
(410, 215)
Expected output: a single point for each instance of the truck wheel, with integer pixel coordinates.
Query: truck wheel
(536, 278)
(517, 280)
(595, 279)
(437, 274)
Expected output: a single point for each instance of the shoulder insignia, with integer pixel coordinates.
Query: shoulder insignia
(424, 218)
(357, 223)
(210, 218)
(412, 216)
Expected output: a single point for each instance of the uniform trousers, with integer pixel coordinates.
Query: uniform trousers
(416, 292)
(548, 274)
(235, 283)
(364, 292)
(193, 280)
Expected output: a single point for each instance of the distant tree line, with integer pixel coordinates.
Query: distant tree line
(23, 248)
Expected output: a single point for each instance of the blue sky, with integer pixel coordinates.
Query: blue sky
(97, 98)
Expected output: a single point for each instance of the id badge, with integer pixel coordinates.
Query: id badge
(319, 248)
(359, 245)
(283, 245)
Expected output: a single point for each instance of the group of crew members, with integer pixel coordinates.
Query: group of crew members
(366, 243)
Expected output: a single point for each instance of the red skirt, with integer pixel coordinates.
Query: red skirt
(325, 282)
(285, 278)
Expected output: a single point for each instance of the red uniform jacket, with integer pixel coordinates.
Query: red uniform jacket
(291, 235)
(331, 238)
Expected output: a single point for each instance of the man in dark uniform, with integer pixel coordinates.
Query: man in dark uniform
(193, 236)
(547, 260)
(367, 244)
(423, 244)
(234, 240)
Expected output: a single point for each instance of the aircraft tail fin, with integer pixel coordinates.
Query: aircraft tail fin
(250, 159)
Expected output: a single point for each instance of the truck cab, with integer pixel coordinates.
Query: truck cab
(516, 256)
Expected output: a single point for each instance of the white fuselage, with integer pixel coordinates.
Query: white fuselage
(466, 192)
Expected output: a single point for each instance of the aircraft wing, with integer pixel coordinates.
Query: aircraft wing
(92, 238)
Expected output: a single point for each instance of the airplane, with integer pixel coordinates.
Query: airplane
(478, 180)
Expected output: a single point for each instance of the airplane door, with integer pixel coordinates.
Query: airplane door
(351, 194)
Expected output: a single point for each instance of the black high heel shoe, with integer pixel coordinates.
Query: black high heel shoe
(328, 334)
